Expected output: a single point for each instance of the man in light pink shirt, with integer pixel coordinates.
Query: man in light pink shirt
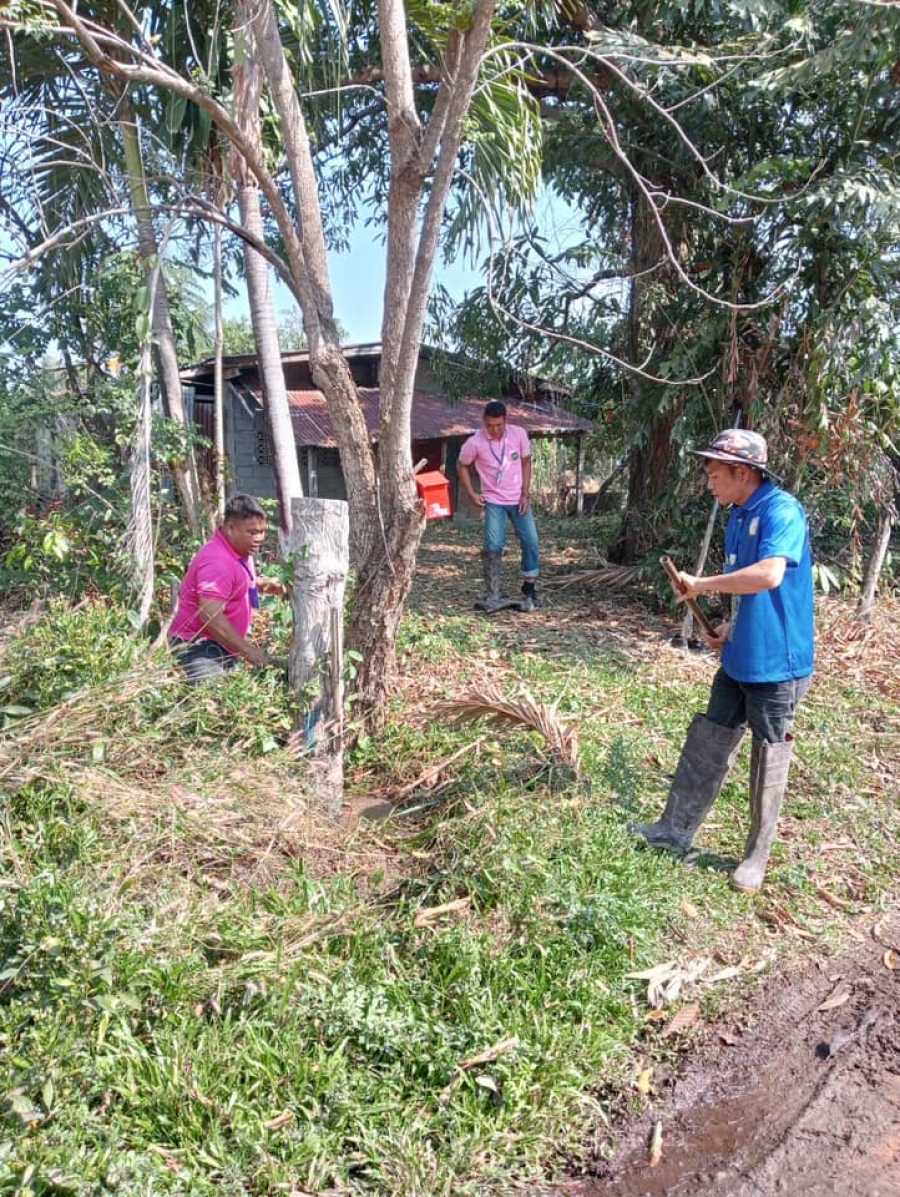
(219, 594)
(501, 455)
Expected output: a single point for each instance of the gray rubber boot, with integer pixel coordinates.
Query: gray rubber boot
(493, 600)
(707, 756)
(769, 767)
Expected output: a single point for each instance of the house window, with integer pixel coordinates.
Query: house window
(262, 440)
(365, 371)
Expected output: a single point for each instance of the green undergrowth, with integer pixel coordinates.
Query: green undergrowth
(200, 993)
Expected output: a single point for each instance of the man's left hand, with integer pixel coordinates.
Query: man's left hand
(271, 586)
(719, 639)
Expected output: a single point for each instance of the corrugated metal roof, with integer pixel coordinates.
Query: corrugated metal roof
(235, 364)
(434, 417)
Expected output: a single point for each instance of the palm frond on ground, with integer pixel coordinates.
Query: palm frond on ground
(524, 712)
(612, 577)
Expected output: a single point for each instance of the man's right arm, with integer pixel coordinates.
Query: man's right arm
(750, 579)
(465, 476)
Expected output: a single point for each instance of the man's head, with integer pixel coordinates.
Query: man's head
(494, 416)
(736, 464)
(244, 526)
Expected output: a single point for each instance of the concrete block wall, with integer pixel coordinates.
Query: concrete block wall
(249, 475)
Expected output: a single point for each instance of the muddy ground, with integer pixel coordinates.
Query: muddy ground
(798, 1092)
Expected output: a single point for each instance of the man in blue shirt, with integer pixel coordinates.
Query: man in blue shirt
(766, 655)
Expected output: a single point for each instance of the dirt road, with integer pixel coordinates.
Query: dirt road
(797, 1092)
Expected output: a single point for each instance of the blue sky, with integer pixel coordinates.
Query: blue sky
(358, 281)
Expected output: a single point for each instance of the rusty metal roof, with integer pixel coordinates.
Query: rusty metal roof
(434, 417)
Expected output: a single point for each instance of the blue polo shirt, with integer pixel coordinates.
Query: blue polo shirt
(772, 633)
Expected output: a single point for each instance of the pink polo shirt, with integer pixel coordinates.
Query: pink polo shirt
(499, 463)
(216, 572)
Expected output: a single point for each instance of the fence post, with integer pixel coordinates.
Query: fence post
(318, 546)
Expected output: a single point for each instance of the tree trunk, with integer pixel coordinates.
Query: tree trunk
(248, 80)
(319, 547)
(384, 581)
(265, 333)
(184, 472)
(308, 259)
(887, 518)
(141, 555)
(649, 467)
(420, 156)
(219, 375)
(650, 336)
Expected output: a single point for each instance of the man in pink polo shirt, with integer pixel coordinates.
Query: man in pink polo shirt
(501, 455)
(218, 596)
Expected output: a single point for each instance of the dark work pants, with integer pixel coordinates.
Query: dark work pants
(768, 708)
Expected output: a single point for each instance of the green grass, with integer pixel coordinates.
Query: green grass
(197, 997)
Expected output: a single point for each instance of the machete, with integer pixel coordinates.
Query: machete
(691, 603)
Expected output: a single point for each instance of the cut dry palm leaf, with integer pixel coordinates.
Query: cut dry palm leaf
(523, 712)
(613, 577)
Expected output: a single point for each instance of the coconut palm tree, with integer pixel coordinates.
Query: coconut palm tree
(87, 176)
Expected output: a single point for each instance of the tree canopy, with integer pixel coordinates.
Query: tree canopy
(732, 166)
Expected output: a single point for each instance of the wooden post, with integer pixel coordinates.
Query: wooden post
(887, 517)
(319, 546)
(579, 476)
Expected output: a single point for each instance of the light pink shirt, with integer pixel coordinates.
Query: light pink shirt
(216, 572)
(499, 463)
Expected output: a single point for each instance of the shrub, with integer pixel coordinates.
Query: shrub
(68, 648)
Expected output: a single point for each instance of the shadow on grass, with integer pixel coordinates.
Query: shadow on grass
(618, 776)
(712, 862)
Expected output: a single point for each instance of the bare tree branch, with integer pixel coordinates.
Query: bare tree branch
(656, 199)
(512, 320)
(70, 235)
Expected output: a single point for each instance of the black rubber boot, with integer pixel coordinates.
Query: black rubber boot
(530, 600)
(707, 756)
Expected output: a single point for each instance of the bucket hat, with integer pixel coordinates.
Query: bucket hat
(737, 446)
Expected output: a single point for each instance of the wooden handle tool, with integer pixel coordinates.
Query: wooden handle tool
(691, 603)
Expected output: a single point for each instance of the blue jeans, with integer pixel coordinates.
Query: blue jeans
(767, 707)
(495, 515)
